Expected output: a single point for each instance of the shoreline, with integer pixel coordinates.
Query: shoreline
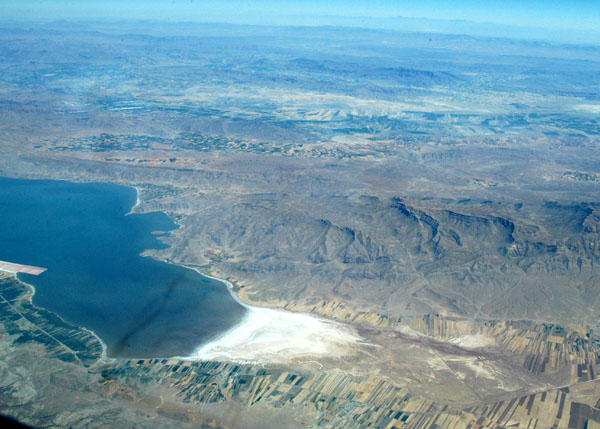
(256, 323)
(227, 284)
(137, 200)
(103, 356)
(307, 335)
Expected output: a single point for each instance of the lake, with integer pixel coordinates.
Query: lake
(140, 307)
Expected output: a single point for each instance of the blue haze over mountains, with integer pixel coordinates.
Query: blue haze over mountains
(558, 20)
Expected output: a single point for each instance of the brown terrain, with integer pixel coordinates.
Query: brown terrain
(446, 207)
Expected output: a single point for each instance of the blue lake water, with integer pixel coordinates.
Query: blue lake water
(96, 278)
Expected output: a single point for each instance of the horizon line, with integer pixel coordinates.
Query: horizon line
(448, 32)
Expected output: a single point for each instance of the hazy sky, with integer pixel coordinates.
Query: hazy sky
(572, 14)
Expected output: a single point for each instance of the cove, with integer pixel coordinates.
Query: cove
(139, 307)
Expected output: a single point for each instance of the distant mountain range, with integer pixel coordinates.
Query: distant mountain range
(448, 26)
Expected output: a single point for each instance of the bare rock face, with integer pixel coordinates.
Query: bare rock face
(394, 255)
